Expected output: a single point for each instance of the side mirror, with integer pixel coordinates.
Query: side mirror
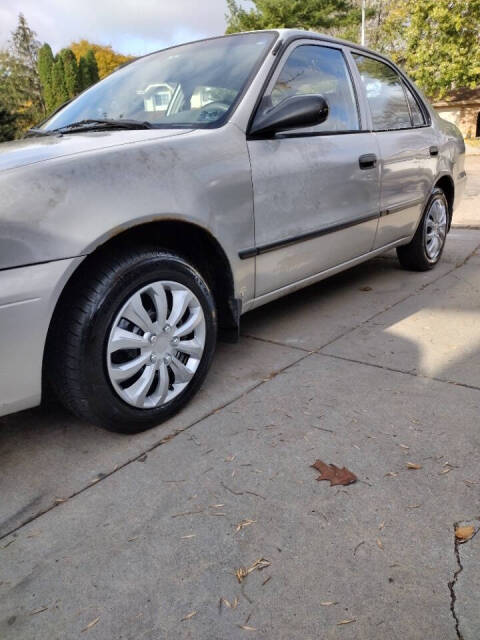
(291, 113)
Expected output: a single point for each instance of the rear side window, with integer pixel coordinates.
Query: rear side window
(385, 94)
(418, 119)
(313, 69)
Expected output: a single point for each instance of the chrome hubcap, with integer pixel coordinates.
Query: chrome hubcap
(156, 344)
(435, 229)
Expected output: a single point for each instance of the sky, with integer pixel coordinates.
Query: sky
(132, 27)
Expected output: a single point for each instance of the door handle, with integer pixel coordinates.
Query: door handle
(368, 161)
(433, 151)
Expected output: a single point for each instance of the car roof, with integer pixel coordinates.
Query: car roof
(295, 34)
(285, 36)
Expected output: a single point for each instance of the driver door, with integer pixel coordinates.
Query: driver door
(316, 190)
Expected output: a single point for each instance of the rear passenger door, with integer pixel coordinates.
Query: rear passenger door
(316, 190)
(407, 147)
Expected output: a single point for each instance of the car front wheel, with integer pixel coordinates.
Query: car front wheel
(134, 343)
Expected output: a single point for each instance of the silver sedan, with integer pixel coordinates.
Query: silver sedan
(194, 184)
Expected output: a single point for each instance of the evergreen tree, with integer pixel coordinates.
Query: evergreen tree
(92, 65)
(59, 88)
(84, 74)
(45, 65)
(8, 124)
(20, 88)
(72, 80)
(317, 15)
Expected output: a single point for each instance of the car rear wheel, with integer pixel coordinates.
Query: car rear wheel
(134, 343)
(426, 248)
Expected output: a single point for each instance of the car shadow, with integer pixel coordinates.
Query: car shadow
(368, 314)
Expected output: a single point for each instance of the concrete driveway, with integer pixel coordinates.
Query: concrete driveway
(115, 537)
(468, 213)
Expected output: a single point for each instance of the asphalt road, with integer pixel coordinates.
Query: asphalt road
(113, 537)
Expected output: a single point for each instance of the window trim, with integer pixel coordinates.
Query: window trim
(404, 81)
(289, 47)
(407, 89)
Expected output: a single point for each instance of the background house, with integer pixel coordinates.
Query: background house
(462, 107)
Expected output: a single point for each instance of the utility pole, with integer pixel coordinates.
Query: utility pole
(363, 22)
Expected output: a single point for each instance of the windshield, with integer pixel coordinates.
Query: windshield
(193, 85)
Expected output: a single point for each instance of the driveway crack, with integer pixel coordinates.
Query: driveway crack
(453, 583)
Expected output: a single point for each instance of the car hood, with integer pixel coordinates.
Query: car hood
(38, 149)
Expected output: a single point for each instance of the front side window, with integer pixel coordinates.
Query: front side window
(193, 85)
(312, 69)
(385, 94)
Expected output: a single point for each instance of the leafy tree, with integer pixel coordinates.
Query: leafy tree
(92, 66)
(59, 87)
(71, 74)
(437, 42)
(107, 59)
(45, 65)
(316, 15)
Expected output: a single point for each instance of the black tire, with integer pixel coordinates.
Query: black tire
(413, 256)
(76, 365)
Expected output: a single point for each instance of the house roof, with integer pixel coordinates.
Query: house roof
(460, 97)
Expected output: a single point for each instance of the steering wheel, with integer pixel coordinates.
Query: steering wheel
(212, 111)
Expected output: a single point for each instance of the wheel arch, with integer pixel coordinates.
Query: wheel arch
(446, 184)
(190, 241)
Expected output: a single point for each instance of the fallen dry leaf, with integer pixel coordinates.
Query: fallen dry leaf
(412, 465)
(33, 613)
(244, 523)
(230, 605)
(190, 615)
(464, 533)
(91, 624)
(241, 573)
(379, 544)
(261, 563)
(333, 473)
(346, 621)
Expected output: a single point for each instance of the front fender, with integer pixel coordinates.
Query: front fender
(68, 206)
